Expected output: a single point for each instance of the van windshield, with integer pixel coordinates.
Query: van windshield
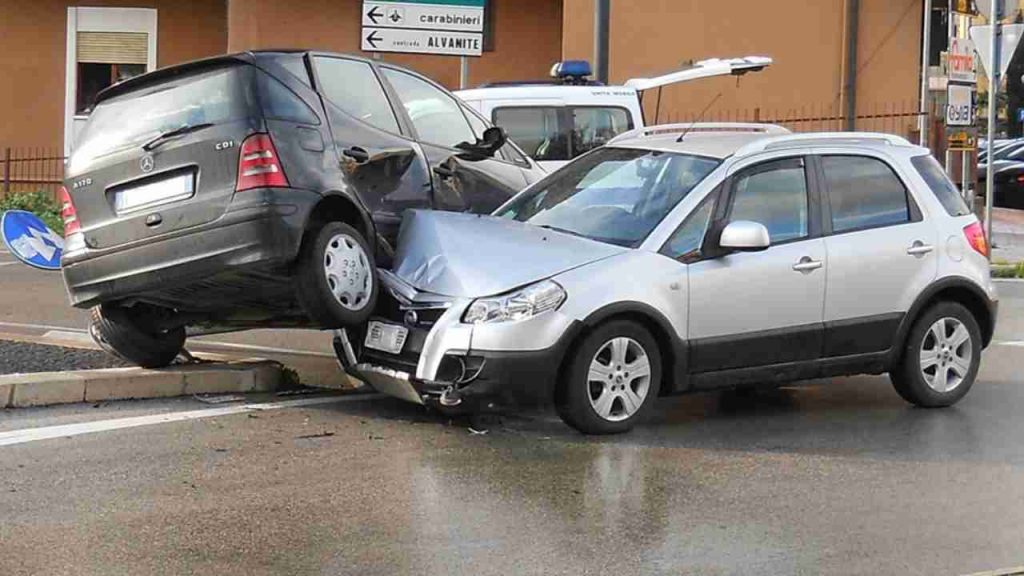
(561, 133)
(132, 119)
(612, 195)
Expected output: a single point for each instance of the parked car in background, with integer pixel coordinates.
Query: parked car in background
(557, 120)
(686, 258)
(259, 190)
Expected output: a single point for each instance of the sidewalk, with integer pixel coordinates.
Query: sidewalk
(1007, 235)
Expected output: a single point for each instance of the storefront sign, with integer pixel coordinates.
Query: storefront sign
(961, 141)
(961, 62)
(960, 108)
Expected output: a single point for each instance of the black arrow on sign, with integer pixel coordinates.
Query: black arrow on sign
(373, 39)
(374, 15)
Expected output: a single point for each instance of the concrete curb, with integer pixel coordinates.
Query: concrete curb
(48, 388)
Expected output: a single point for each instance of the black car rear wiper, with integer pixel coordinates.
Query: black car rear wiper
(155, 142)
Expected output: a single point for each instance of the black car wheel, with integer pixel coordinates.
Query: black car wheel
(612, 379)
(941, 357)
(337, 277)
(131, 337)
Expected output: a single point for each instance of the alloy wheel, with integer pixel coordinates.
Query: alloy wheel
(946, 355)
(619, 379)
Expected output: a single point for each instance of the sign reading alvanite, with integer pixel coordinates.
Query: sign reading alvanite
(448, 27)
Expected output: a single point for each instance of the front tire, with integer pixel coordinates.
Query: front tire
(128, 336)
(612, 380)
(337, 279)
(941, 357)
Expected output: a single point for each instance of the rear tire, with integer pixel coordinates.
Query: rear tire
(941, 357)
(337, 278)
(122, 334)
(612, 379)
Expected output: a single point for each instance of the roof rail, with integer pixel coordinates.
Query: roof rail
(822, 139)
(701, 127)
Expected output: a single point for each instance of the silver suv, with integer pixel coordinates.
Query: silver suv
(685, 258)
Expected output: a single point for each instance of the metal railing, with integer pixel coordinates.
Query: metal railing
(31, 169)
(900, 119)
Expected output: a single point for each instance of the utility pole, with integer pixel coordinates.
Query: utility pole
(602, 18)
(926, 48)
(852, 30)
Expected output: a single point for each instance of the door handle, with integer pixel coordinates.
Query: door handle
(806, 265)
(919, 249)
(444, 171)
(360, 155)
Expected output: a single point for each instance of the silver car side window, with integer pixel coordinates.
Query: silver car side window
(686, 241)
(774, 194)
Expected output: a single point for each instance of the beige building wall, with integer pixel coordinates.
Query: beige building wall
(527, 36)
(806, 39)
(33, 37)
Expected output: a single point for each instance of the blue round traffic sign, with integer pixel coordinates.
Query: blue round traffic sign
(30, 241)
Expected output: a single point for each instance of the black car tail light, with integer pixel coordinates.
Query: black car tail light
(259, 165)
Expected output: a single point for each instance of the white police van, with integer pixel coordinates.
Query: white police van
(556, 120)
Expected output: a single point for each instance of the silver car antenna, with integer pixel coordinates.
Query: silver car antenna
(699, 118)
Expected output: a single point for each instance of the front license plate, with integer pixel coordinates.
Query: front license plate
(155, 193)
(386, 337)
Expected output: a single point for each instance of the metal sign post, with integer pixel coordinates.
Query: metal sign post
(993, 107)
(446, 27)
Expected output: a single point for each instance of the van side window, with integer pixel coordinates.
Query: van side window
(352, 86)
(864, 193)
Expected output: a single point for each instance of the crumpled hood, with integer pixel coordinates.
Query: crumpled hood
(470, 256)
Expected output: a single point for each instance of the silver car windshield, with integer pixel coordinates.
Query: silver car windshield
(612, 195)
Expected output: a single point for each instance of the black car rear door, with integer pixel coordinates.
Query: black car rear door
(439, 122)
(378, 158)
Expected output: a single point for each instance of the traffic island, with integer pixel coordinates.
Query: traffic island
(69, 387)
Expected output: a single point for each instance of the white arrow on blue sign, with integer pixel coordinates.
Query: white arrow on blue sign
(30, 241)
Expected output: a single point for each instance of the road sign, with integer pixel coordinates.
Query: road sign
(448, 27)
(961, 61)
(960, 108)
(961, 141)
(30, 241)
(964, 6)
(982, 38)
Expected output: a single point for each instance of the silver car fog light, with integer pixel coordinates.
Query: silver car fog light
(519, 305)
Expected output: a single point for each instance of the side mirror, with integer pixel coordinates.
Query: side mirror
(745, 236)
(487, 146)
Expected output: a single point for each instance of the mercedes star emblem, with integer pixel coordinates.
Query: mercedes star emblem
(147, 163)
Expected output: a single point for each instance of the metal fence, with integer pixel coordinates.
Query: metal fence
(900, 119)
(31, 169)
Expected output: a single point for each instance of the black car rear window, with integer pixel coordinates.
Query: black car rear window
(213, 96)
(280, 103)
(933, 174)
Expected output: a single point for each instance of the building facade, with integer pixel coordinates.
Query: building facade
(56, 54)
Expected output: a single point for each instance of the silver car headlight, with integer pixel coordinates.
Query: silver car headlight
(522, 304)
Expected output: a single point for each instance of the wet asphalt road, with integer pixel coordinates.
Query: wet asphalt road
(837, 477)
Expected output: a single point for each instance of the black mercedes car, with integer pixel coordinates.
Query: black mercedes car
(261, 189)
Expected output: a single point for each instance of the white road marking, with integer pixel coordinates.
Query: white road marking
(67, 430)
(8, 263)
(1017, 343)
(38, 326)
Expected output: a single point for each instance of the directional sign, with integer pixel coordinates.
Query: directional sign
(422, 42)
(960, 111)
(30, 241)
(449, 27)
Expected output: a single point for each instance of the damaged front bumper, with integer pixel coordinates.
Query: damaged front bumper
(456, 366)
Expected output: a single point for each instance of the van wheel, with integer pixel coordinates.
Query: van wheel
(128, 337)
(612, 379)
(941, 357)
(337, 278)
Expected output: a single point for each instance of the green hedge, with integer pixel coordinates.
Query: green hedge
(41, 204)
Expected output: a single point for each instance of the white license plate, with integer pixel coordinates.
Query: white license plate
(386, 337)
(155, 193)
